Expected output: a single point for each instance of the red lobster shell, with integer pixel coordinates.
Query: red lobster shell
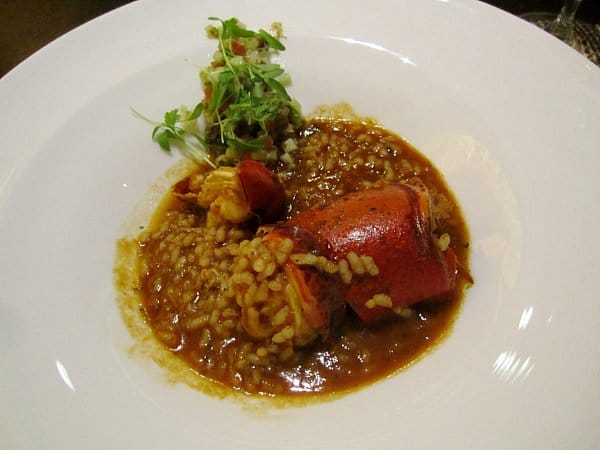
(392, 225)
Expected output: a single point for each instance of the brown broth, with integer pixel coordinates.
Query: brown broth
(334, 157)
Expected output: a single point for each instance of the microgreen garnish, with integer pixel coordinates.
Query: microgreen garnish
(246, 106)
(170, 132)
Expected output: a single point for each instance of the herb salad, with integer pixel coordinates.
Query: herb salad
(247, 110)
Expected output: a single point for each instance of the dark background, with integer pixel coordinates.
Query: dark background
(27, 25)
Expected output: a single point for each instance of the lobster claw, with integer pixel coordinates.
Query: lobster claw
(389, 226)
(264, 192)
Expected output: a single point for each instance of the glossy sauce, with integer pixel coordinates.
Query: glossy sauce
(334, 158)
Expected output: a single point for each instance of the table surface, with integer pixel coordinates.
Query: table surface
(28, 25)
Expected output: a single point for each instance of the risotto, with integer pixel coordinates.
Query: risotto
(217, 294)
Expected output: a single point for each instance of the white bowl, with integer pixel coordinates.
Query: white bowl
(509, 114)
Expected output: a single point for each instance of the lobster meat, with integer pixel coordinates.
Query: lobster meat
(235, 194)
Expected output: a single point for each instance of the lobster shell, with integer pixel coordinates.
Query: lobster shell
(391, 224)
